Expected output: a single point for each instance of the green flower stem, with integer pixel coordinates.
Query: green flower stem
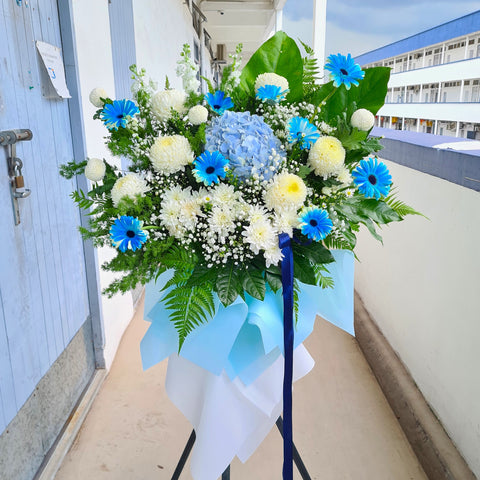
(324, 101)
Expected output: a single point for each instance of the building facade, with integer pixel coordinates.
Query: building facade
(435, 80)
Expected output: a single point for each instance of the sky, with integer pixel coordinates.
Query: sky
(358, 26)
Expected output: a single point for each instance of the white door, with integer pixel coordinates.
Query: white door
(43, 293)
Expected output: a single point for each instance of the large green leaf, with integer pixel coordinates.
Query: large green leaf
(370, 94)
(253, 283)
(303, 270)
(228, 284)
(280, 55)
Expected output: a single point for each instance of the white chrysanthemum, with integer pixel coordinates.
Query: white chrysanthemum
(344, 176)
(129, 186)
(169, 216)
(222, 221)
(327, 191)
(176, 194)
(260, 235)
(362, 119)
(95, 97)
(225, 195)
(165, 100)
(256, 213)
(271, 79)
(198, 114)
(189, 213)
(170, 154)
(273, 255)
(286, 220)
(286, 191)
(95, 169)
(326, 156)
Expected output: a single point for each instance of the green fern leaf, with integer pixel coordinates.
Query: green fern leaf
(190, 307)
(401, 208)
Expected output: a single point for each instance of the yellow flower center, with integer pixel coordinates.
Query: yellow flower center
(166, 142)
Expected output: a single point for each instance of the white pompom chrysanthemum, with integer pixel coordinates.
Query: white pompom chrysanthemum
(362, 119)
(198, 115)
(165, 100)
(344, 176)
(95, 169)
(271, 79)
(273, 256)
(129, 186)
(326, 157)
(286, 191)
(260, 235)
(170, 153)
(96, 95)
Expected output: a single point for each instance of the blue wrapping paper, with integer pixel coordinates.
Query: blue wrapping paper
(245, 338)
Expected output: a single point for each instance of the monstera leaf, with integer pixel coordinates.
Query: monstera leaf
(279, 55)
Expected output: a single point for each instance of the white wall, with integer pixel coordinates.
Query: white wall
(463, 112)
(444, 73)
(95, 66)
(422, 289)
(161, 29)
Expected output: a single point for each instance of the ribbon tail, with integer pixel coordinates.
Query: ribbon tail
(288, 339)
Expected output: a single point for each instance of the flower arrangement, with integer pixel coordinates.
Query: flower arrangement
(215, 179)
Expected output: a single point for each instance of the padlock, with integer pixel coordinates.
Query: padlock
(19, 182)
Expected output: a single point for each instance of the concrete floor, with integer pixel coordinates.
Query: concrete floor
(343, 426)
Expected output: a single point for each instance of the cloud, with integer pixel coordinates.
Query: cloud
(298, 9)
(398, 21)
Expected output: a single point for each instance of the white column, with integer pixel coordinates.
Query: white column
(319, 31)
(418, 124)
(465, 55)
(421, 93)
(462, 85)
(443, 55)
(435, 129)
(439, 92)
(408, 62)
(405, 93)
(390, 122)
(278, 20)
(403, 123)
(457, 131)
(423, 58)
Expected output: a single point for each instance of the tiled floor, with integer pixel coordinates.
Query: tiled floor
(343, 426)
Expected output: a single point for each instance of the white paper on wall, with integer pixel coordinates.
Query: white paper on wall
(52, 59)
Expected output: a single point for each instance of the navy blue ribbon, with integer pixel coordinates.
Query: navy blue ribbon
(288, 334)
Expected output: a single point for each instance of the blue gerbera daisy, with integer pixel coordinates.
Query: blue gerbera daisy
(271, 93)
(210, 167)
(218, 101)
(126, 233)
(344, 70)
(315, 224)
(372, 178)
(118, 113)
(302, 131)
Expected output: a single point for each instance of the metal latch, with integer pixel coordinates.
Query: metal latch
(9, 139)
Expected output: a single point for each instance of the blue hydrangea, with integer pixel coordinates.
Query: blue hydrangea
(248, 142)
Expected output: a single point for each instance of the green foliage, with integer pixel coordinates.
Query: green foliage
(401, 208)
(279, 55)
(311, 71)
(370, 94)
(323, 280)
(70, 169)
(190, 307)
(253, 282)
(229, 284)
